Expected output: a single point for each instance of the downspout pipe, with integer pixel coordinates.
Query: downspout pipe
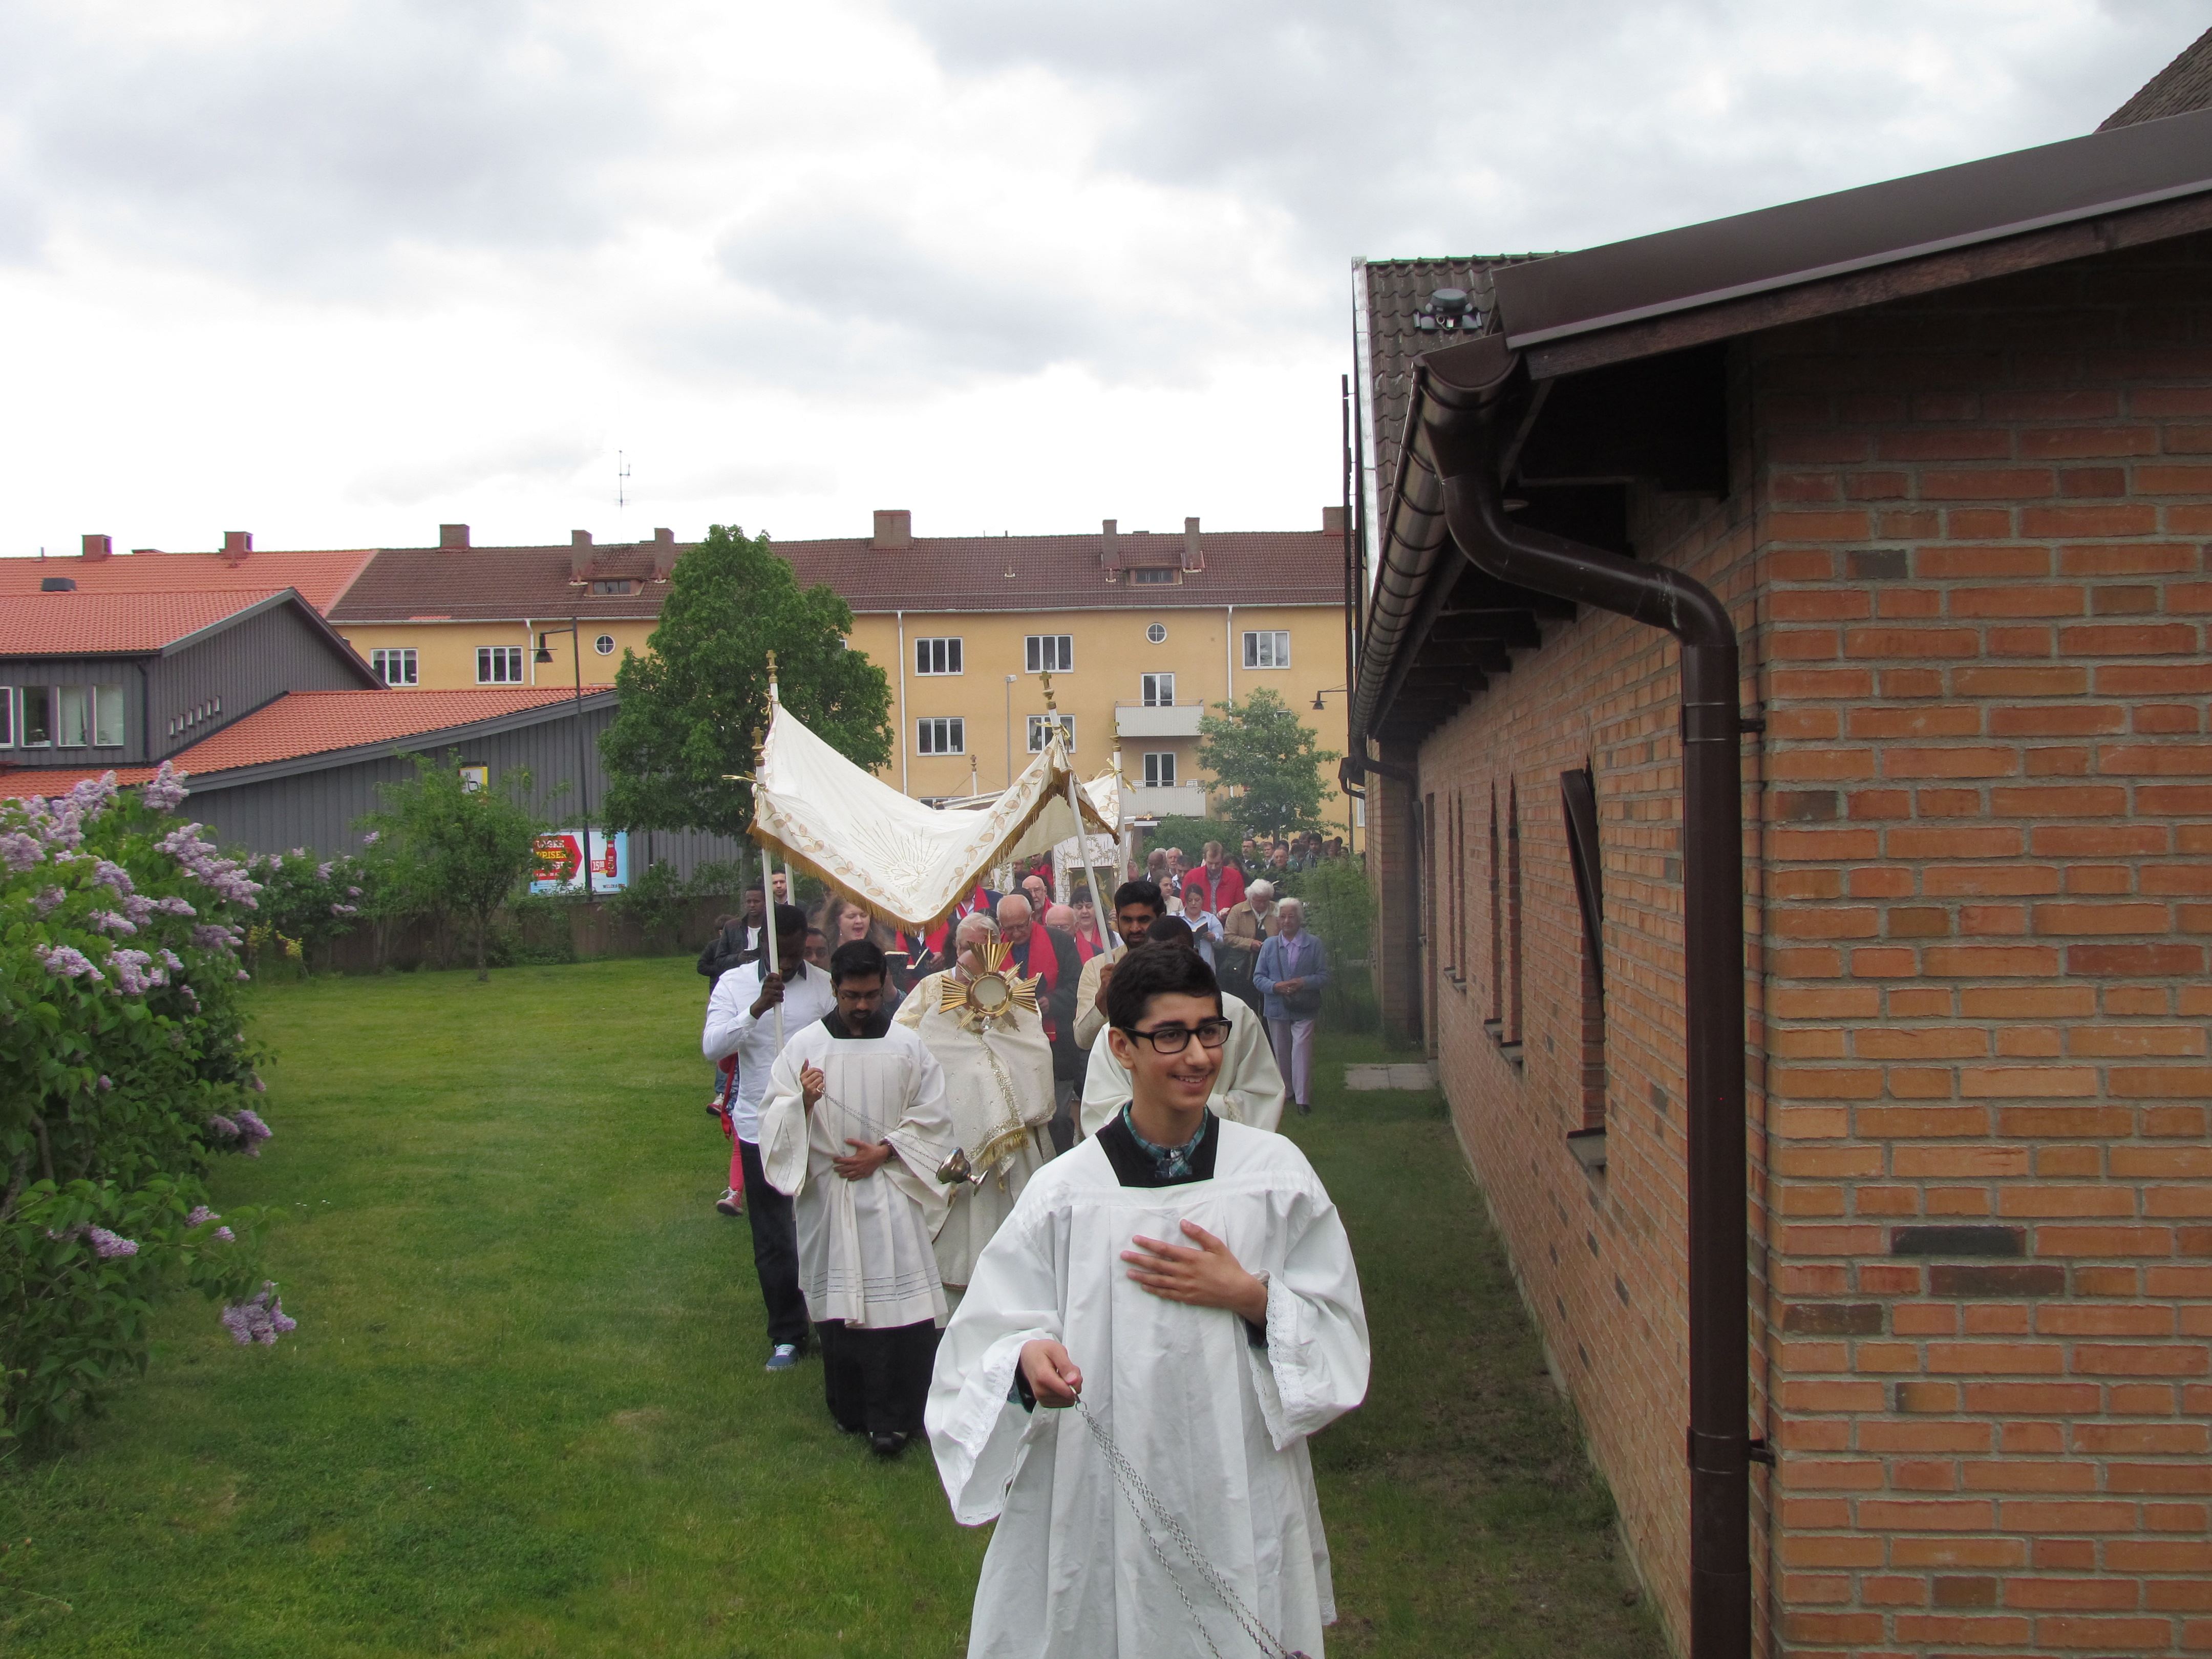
(1473, 397)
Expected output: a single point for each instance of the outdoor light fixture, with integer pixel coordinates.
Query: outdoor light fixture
(583, 783)
(1321, 707)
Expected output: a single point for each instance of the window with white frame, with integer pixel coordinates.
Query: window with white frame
(499, 664)
(1159, 769)
(1040, 724)
(76, 718)
(38, 717)
(107, 716)
(937, 656)
(1155, 575)
(1159, 690)
(1049, 653)
(394, 664)
(1268, 648)
(940, 735)
(604, 644)
(6, 717)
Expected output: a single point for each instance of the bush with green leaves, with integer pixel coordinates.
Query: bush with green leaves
(124, 1071)
(469, 848)
(305, 903)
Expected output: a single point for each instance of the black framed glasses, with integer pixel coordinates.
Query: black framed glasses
(1174, 1039)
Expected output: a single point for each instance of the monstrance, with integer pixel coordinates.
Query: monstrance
(994, 994)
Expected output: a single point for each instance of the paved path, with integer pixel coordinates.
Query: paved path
(1419, 1074)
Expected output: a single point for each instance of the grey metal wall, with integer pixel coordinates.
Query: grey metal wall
(321, 808)
(245, 665)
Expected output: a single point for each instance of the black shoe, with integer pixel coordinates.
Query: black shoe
(1304, 1110)
(886, 1444)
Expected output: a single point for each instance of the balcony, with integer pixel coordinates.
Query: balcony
(1179, 800)
(1132, 720)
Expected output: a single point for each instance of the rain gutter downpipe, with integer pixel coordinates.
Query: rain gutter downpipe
(1468, 403)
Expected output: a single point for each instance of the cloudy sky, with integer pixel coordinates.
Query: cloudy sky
(337, 271)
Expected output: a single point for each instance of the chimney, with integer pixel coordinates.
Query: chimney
(99, 547)
(1192, 558)
(894, 528)
(664, 553)
(580, 554)
(236, 544)
(1110, 543)
(453, 535)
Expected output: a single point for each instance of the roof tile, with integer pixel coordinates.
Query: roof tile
(100, 624)
(319, 575)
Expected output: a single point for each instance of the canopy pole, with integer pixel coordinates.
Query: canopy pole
(768, 870)
(1101, 905)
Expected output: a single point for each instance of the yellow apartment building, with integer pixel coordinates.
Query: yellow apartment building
(1140, 631)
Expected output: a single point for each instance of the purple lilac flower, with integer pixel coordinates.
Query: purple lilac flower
(221, 1128)
(48, 900)
(249, 1121)
(372, 838)
(165, 791)
(323, 871)
(353, 892)
(139, 909)
(110, 1245)
(135, 974)
(242, 977)
(201, 1216)
(91, 796)
(192, 997)
(20, 850)
(345, 910)
(223, 1235)
(171, 960)
(174, 907)
(259, 1086)
(107, 873)
(110, 922)
(105, 1084)
(67, 962)
(261, 1319)
(212, 936)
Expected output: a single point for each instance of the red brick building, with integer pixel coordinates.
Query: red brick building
(1943, 448)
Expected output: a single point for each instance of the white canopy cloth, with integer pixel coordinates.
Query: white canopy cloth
(908, 863)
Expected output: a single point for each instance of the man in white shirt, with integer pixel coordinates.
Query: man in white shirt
(1137, 906)
(742, 1018)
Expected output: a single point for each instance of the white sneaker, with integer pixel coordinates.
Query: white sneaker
(786, 1357)
(731, 1202)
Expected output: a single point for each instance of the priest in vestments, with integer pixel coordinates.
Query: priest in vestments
(985, 1027)
(1184, 1284)
(853, 1126)
(1248, 1087)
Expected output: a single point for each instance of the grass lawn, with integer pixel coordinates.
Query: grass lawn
(525, 1411)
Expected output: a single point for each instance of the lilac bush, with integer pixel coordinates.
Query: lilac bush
(124, 1071)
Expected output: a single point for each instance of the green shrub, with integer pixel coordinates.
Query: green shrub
(125, 1069)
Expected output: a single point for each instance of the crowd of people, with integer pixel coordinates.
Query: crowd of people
(1025, 1166)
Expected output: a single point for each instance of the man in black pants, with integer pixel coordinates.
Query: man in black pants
(742, 1018)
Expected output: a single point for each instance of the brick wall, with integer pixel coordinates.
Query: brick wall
(1966, 547)
(1984, 530)
(1601, 1257)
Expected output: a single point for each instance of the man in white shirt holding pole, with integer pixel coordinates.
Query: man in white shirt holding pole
(754, 1009)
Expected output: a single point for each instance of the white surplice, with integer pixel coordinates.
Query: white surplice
(1215, 1425)
(998, 1092)
(1246, 1090)
(863, 1246)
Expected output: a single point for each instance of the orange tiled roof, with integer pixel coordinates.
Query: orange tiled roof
(316, 722)
(321, 576)
(19, 783)
(35, 624)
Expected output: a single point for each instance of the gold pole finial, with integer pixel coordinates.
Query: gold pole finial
(1045, 676)
(771, 676)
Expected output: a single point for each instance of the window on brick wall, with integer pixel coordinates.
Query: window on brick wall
(1513, 975)
(1496, 921)
(1579, 806)
(1459, 884)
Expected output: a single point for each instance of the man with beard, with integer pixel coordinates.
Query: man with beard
(1041, 955)
(855, 1129)
(998, 1088)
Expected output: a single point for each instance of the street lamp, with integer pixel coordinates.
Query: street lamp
(1350, 812)
(583, 780)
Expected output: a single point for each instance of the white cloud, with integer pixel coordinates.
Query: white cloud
(337, 270)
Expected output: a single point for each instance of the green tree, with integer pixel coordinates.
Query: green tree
(1260, 747)
(690, 707)
(471, 847)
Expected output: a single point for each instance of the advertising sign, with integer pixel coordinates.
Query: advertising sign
(561, 862)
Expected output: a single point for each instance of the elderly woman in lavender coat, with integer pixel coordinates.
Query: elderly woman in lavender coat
(1290, 973)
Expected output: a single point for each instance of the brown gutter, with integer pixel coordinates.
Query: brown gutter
(1468, 400)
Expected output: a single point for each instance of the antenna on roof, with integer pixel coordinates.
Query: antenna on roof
(621, 482)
